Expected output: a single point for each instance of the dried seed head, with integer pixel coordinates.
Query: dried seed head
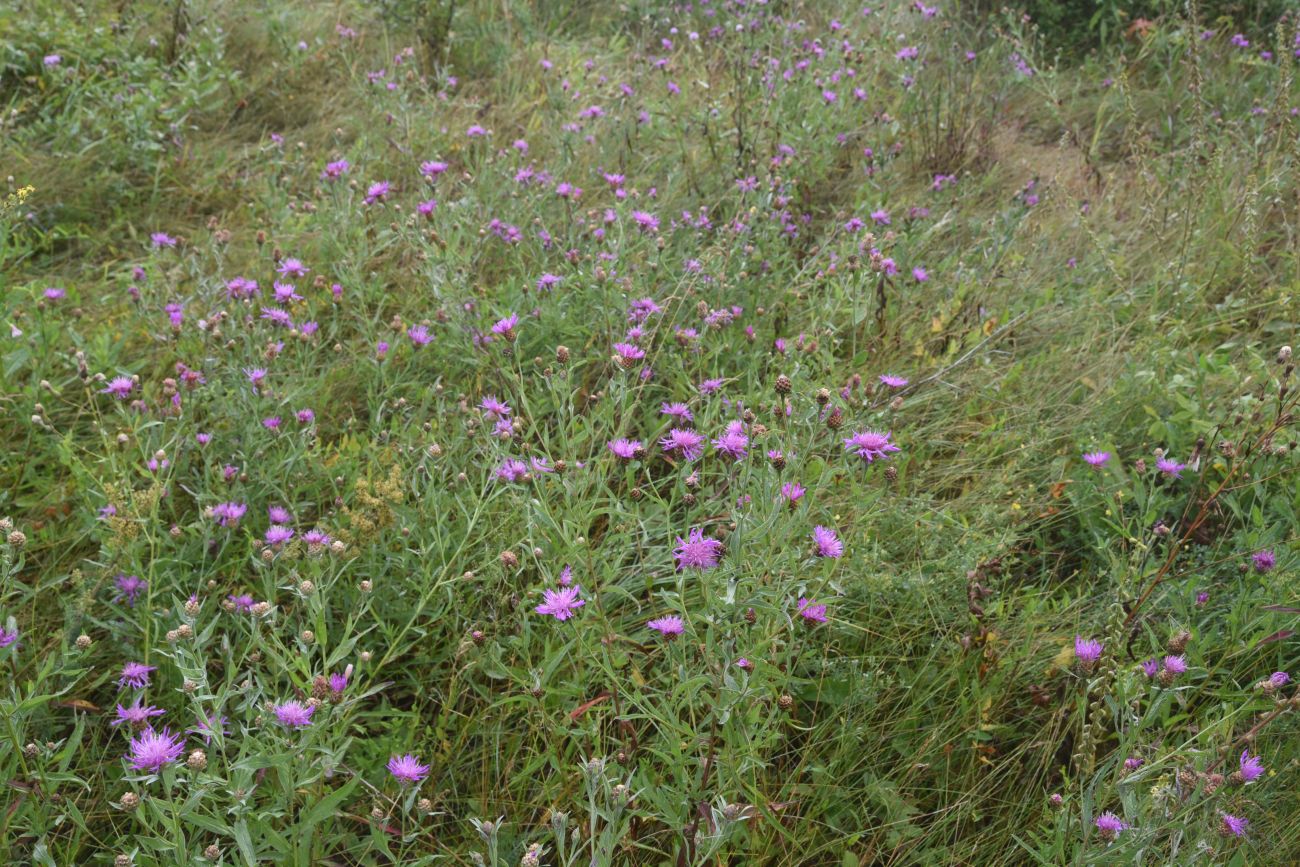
(212, 852)
(129, 801)
(509, 559)
(785, 702)
(198, 760)
(1179, 640)
(83, 642)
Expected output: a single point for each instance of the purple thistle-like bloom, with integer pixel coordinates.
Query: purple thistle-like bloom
(669, 627)
(810, 612)
(1251, 768)
(1151, 667)
(129, 588)
(1175, 665)
(278, 514)
(151, 749)
(339, 681)
(677, 410)
(1234, 825)
(120, 387)
(294, 714)
(407, 769)
(1170, 467)
(1110, 825)
(793, 492)
(561, 603)
(1096, 459)
(684, 440)
(1263, 560)
(870, 445)
(828, 544)
(506, 327)
(647, 222)
(626, 449)
(135, 675)
(893, 381)
(228, 514)
(734, 442)
(7, 637)
(162, 239)
(137, 714)
(493, 408)
(709, 386)
(377, 192)
(697, 552)
(512, 470)
(629, 352)
(243, 602)
(335, 170)
(207, 726)
(1279, 678)
(292, 267)
(277, 535)
(419, 335)
(1087, 649)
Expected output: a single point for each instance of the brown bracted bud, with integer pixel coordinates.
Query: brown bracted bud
(835, 420)
(782, 385)
(320, 686)
(750, 616)
(509, 559)
(785, 702)
(823, 396)
(891, 473)
(1179, 640)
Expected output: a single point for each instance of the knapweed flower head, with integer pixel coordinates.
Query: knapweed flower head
(135, 675)
(206, 726)
(119, 387)
(870, 445)
(684, 442)
(811, 612)
(792, 492)
(1264, 560)
(734, 442)
(827, 544)
(1279, 679)
(407, 769)
(1250, 767)
(697, 552)
(1234, 826)
(129, 588)
(1109, 825)
(377, 192)
(1096, 459)
(506, 327)
(294, 714)
(1174, 665)
(679, 411)
(1170, 467)
(1087, 650)
(150, 750)
(8, 637)
(137, 714)
(277, 535)
(494, 409)
(228, 514)
(670, 626)
(893, 381)
(561, 603)
(162, 239)
(626, 450)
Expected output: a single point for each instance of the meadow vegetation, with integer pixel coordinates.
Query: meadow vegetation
(568, 432)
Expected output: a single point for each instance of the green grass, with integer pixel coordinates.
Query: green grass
(1113, 268)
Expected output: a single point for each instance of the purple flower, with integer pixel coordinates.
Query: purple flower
(243, 602)
(870, 445)
(734, 442)
(419, 335)
(709, 386)
(207, 726)
(1151, 667)
(646, 222)
(512, 470)
(506, 327)
(1174, 665)
(684, 440)
(1251, 768)
(810, 612)
(129, 588)
(137, 714)
(893, 381)
(828, 544)
(1234, 825)
(1110, 825)
(377, 192)
(1087, 650)
(228, 514)
(1096, 459)
(335, 170)
(135, 675)
(493, 408)
(1279, 679)
(294, 714)
(162, 239)
(339, 681)
(277, 535)
(407, 769)
(669, 627)
(8, 637)
(1170, 467)
(677, 410)
(793, 493)
(151, 749)
(560, 603)
(120, 387)
(628, 353)
(293, 268)
(697, 552)
(626, 449)
(1263, 560)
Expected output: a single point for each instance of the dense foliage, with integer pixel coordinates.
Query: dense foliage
(565, 432)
